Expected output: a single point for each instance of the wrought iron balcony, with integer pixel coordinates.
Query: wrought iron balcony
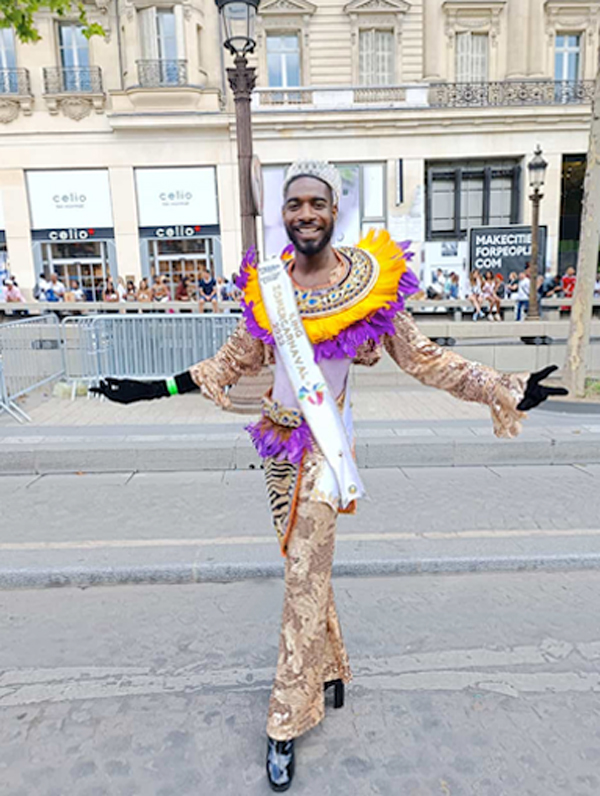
(511, 93)
(159, 73)
(73, 80)
(15, 81)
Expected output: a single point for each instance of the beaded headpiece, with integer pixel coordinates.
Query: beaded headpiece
(321, 170)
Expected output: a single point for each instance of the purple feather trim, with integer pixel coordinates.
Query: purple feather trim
(269, 444)
(348, 341)
(371, 329)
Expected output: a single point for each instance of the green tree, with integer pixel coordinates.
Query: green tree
(19, 15)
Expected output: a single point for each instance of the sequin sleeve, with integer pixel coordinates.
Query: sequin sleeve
(470, 381)
(242, 355)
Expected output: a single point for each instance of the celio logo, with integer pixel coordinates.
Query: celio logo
(175, 197)
(69, 199)
(70, 234)
(176, 232)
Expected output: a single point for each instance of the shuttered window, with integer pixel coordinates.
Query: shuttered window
(472, 51)
(376, 58)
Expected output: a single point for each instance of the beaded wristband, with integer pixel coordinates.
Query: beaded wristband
(172, 387)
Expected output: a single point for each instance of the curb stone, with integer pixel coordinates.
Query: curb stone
(185, 574)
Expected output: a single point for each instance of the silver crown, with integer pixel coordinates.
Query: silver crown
(320, 169)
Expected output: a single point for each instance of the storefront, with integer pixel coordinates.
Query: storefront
(179, 223)
(72, 227)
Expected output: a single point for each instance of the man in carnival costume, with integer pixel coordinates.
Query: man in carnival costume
(312, 317)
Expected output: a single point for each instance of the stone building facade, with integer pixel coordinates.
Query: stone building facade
(119, 154)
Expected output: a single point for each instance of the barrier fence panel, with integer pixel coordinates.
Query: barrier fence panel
(31, 356)
(141, 346)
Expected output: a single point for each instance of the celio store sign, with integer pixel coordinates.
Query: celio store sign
(70, 205)
(177, 202)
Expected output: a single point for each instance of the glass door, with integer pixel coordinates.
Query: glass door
(175, 259)
(86, 262)
(166, 34)
(74, 58)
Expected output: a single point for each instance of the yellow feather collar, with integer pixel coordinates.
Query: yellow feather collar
(392, 264)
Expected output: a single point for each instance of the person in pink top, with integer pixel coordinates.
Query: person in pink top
(12, 291)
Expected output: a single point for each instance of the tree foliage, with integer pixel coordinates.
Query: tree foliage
(19, 15)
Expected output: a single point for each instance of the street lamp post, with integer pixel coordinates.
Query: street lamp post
(537, 173)
(239, 17)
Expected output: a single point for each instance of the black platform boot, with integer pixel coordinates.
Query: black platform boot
(280, 764)
(338, 694)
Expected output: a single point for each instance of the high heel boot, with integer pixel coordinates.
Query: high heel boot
(280, 764)
(338, 693)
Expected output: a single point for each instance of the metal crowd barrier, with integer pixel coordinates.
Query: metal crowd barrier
(141, 346)
(30, 356)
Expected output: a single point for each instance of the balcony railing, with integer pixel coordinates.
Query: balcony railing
(15, 81)
(437, 95)
(156, 73)
(511, 93)
(73, 80)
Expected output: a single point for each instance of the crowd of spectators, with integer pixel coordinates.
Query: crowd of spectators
(486, 291)
(207, 291)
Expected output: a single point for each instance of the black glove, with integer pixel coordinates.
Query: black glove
(536, 393)
(129, 391)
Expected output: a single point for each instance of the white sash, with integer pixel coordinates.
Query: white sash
(318, 405)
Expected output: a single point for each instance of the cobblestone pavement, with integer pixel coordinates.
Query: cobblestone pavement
(464, 686)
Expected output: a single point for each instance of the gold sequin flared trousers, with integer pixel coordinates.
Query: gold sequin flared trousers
(311, 648)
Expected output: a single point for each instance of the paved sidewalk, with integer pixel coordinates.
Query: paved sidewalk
(399, 424)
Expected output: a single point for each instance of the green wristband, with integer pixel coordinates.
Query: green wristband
(172, 387)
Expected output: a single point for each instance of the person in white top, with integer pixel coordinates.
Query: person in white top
(56, 287)
(523, 295)
(39, 291)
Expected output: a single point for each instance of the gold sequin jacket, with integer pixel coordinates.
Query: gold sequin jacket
(351, 320)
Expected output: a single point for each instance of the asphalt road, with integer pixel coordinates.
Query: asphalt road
(476, 685)
(152, 519)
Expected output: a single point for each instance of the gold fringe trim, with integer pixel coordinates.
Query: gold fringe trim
(392, 265)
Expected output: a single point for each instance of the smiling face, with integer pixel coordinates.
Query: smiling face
(309, 215)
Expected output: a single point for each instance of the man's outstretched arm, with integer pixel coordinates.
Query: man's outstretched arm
(507, 394)
(241, 355)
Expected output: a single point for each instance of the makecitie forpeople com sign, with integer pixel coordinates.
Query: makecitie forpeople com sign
(504, 249)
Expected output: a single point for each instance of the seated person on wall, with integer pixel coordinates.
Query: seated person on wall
(75, 293)
(207, 291)
(314, 315)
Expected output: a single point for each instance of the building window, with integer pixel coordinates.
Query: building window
(8, 62)
(376, 58)
(465, 195)
(472, 61)
(283, 60)
(161, 46)
(74, 58)
(567, 58)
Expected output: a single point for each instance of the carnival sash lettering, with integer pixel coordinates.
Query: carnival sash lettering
(318, 405)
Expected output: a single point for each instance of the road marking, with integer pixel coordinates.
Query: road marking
(227, 541)
(439, 670)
